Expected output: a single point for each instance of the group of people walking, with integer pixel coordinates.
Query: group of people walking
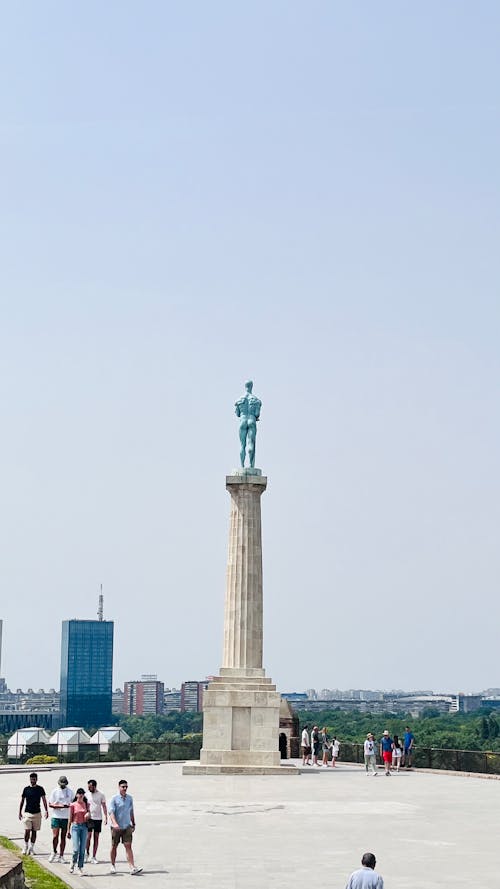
(318, 744)
(393, 751)
(78, 816)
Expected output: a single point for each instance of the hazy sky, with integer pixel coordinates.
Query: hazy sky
(304, 193)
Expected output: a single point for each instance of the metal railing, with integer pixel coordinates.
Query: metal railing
(479, 761)
(133, 751)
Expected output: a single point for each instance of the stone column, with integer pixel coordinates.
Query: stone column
(241, 707)
(242, 654)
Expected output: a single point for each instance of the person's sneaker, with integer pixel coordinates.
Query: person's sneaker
(61, 859)
(81, 872)
(135, 870)
(112, 869)
(52, 857)
(94, 860)
(25, 849)
(31, 850)
(72, 868)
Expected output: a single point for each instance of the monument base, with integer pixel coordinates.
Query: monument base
(241, 714)
(196, 768)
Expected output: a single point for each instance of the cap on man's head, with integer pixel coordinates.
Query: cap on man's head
(63, 780)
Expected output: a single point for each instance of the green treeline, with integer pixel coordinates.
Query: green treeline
(167, 727)
(456, 731)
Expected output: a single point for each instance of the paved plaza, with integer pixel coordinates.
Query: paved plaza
(243, 832)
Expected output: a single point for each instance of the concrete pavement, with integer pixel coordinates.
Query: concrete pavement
(243, 832)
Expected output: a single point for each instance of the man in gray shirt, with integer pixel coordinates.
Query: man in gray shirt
(366, 877)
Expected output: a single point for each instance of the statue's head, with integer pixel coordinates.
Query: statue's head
(249, 385)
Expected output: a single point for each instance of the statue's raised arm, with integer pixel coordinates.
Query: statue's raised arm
(247, 408)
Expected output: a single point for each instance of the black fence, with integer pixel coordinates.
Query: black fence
(480, 761)
(141, 751)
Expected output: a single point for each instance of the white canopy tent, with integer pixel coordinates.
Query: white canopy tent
(109, 734)
(17, 743)
(69, 739)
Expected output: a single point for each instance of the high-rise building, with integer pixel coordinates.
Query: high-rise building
(192, 695)
(143, 696)
(86, 672)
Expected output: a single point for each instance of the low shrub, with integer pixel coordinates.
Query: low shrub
(41, 760)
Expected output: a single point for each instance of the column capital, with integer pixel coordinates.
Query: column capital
(248, 481)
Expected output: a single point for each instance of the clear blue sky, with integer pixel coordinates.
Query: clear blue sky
(307, 194)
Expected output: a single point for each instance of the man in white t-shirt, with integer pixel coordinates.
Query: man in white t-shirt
(97, 805)
(306, 747)
(59, 802)
(370, 751)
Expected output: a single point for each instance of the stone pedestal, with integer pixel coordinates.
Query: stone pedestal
(241, 707)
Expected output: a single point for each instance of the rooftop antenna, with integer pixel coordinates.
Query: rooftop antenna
(100, 610)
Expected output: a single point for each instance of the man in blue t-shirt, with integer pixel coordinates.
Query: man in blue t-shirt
(366, 877)
(409, 742)
(122, 817)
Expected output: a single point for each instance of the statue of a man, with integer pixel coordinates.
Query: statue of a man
(248, 409)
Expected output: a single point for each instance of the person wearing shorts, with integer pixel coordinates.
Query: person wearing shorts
(32, 819)
(386, 745)
(306, 747)
(59, 801)
(397, 752)
(121, 813)
(97, 804)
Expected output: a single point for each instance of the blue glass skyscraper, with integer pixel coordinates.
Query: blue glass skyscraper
(86, 672)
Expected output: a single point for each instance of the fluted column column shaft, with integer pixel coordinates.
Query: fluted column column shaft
(243, 606)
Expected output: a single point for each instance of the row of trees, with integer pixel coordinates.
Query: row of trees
(165, 727)
(456, 731)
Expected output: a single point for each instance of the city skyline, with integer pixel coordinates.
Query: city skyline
(302, 195)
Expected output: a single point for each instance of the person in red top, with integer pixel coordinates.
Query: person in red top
(79, 814)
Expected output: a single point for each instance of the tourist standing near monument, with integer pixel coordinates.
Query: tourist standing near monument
(121, 813)
(325, 744)
(30, 799)
(97, 804)
(370, 752)
(59, 802)
(397, 752)
(386, 743)
(315, 742)
(366, 877)
(306, 747)
(335, 750)
(409, 742)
